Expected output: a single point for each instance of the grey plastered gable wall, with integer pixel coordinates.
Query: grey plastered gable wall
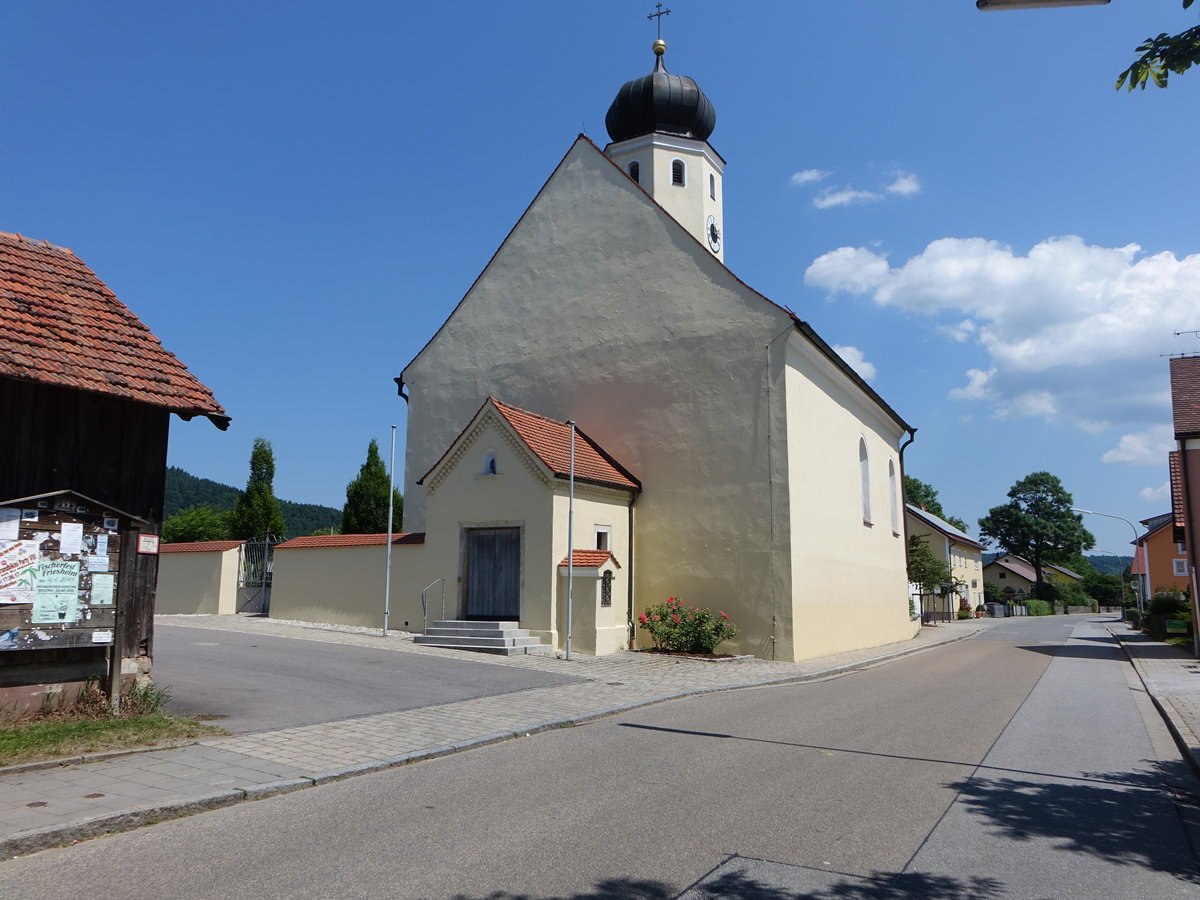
(600, 307)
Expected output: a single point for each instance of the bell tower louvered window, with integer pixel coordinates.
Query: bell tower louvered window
(678, 172)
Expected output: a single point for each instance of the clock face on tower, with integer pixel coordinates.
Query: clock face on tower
(714, 234)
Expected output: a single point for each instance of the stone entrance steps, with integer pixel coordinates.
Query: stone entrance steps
(502, 638)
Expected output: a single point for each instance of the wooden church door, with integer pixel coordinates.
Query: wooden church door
(494, 574)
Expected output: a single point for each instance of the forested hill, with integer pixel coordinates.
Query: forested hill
(185, 489)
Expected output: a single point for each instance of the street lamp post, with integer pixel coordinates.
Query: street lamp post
(998, 5)
(1145, 552)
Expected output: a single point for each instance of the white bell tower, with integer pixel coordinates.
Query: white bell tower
(659, 125)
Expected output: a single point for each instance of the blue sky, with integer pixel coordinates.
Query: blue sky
(294, 195)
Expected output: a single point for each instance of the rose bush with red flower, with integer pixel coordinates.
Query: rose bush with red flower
(677, 627)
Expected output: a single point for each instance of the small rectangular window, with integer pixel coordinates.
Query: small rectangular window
(1180, 566)
(603, 533)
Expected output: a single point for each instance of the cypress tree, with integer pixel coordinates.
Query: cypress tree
(366, 509)
(257, 512)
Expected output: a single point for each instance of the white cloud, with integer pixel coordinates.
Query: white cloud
(1146, 448)
(976, 387)
(808, 176)
(1155, 494)
(905, 184)
(960, 331)
(1072, 332)
(855, 359)
(831, 197)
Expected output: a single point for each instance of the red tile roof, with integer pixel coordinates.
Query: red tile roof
(200, 547)
(1178, 499)
(350, 540)
(1017, 566)
(1185, 394)
(60, 325)
(589, 559)
(550, 440)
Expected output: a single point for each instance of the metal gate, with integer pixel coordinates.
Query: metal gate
(254, 576)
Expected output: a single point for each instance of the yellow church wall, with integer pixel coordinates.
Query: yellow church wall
(595, 629)
(849, 589)
(462, 496)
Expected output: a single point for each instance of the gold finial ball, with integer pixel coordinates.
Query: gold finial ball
(660, 47)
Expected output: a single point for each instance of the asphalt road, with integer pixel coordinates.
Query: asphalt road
(1018, 765)
(248, 683)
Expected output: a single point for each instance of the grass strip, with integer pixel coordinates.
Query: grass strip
(54, 738)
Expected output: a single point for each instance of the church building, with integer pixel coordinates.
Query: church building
(724, 453)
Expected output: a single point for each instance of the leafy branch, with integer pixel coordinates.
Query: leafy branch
(1161, 56)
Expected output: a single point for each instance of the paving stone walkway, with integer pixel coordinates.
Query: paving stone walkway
(53, 804)
(1171, 676)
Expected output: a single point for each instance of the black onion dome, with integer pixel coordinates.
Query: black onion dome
(662, 102)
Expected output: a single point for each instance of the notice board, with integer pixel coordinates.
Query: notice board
(60, 560)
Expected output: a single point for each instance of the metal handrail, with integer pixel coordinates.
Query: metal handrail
(425, 605)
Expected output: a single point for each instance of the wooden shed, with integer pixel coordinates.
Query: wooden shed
(86, 394)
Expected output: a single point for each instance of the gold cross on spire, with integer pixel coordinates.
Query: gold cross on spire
(658, 15)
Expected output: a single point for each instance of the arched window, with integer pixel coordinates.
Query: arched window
(864, 474)
(678, 172)
(635, 171)
(712, 186)
(892, 486)
(489, 463)
(606, 589)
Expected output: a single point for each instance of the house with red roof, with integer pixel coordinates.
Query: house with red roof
(86, 397)
(768, 471)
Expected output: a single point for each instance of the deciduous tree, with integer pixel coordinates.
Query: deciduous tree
(1161, 56)
(257, 512)
(366, 509)
(1037, 524)
(196, 523)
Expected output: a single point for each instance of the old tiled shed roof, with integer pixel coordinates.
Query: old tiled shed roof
(61, 325)
(1185, 395)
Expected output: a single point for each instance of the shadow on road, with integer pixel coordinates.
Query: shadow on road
(1108, 653)
(1120, 822)
(880, 886)
(609, 889)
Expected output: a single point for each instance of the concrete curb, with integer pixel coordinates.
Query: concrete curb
(1185, 739)
(35, 840)
(126, 820)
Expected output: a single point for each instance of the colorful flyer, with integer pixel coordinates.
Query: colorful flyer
(57, 596)
(18, 571)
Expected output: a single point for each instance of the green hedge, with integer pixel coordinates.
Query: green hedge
(1039, 607)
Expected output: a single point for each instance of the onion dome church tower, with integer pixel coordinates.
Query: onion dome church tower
(659, 125)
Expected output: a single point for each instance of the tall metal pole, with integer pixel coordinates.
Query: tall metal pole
(571, 541)
(1145, 552)
(387, 578)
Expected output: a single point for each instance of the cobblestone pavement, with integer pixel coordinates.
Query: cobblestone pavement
(1171, 676)
(51, 805)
